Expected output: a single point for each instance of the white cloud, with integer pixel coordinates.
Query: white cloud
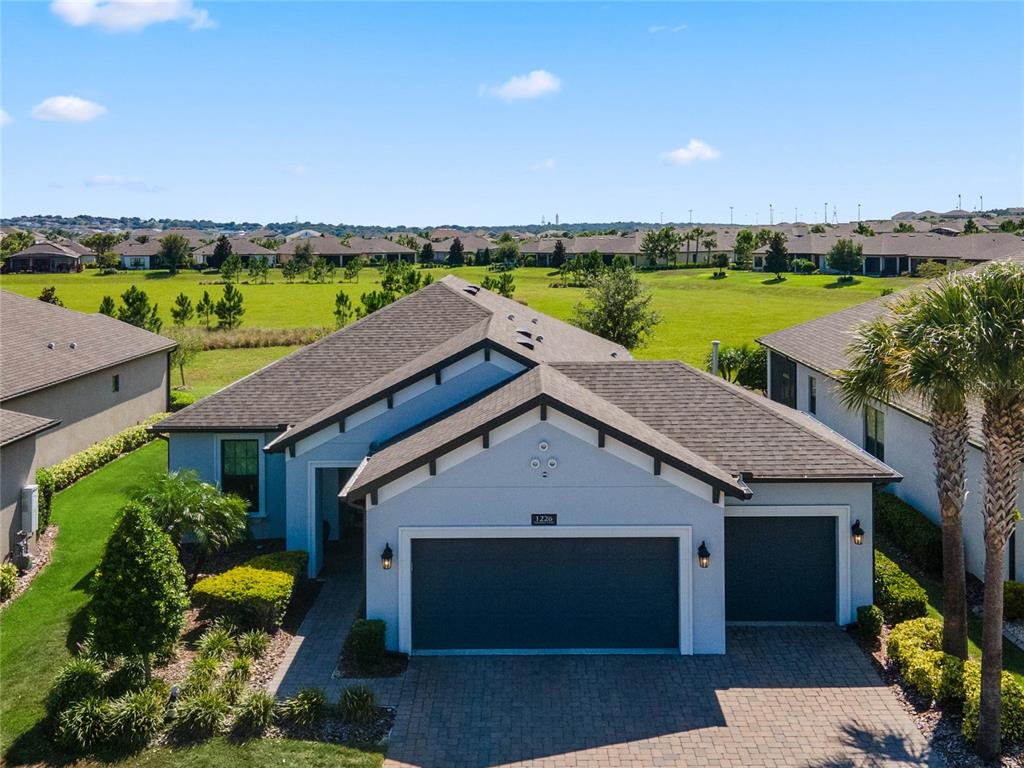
(665, 28)
(694, 152)
(120, 182)
(5, 119)
(536, 83)
(130, 15)
(67, 109)
(297, 169)
(547, 164)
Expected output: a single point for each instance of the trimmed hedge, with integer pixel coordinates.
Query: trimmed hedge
(254, 595)
(869, 622)
(367, 639)
(1013, 600)
(78, 465)
(1011, 714)
(911, 531)
(8, 581)
(896, 593)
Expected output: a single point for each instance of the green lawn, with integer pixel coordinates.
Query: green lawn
(695, 308)
(39, 629)
(216, 368)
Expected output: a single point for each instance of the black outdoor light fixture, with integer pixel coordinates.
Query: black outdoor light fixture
(387, 557)
(703, 555)
(858, 533)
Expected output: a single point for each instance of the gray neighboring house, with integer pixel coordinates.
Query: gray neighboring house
(68, 380)
(802, 365)
(518, 484)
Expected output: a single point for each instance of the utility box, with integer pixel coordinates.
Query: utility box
(30, 508)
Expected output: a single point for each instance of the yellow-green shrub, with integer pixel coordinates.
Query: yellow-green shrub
(915, 647)
(898, 595)
(1011, 715)
(255, 594)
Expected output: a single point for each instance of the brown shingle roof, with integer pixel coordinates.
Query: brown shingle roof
(385, 349)
(243, 246)
(28, 326)
(542, 385)
(16, 426)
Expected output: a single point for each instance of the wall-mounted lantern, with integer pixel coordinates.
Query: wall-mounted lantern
(703, 555)
(857, 532)
(387, 557)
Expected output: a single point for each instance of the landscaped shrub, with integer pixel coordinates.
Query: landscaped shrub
(896, 593)
(8, 580)
(869, 621)
(78, 465)
(202, 714)
(80, 678)
(216, 643)
(367, 639)
(181, 400)
(240, 670)
(915, 647)
(1013, 600)
(1011, 716)
(231, 689)
(254, 713)
(253, 644)
(912, 532)
(202, 674)
(253, 595)
(911, 635)
(130, 675)
(85, 725)
(138, 717)
(44, 480)
(357, 704)
(305, 708)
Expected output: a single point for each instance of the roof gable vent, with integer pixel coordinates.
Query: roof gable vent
(73, 345)
(510, 316)
(472, 290)
(539, 337)
(524, 332)
(525, 343)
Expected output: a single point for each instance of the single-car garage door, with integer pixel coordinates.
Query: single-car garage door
(545, 593)
(780, 569)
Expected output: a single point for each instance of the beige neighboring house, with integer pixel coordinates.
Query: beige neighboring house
(67, 380)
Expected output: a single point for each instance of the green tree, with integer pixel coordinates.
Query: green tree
(304, 256)
(221, 251)
(174, 252)
(507, 251)
(204, 308)
(923, 350)
(971, 227)
(101, 242)
(108, 260)
(618, 308)
(138, 592)
(322, 271)
(818, 229)
(107, 307)
(904, 226)
(136, 310)
(456, 256)
(182, 310)
(343, 309)
(746, 244)
(864, 229)
(661, 246)
(354, 267)
(189, 346)
(845, 256)
(259, 268)
(710, 241)
(776, 260)
(291, 270)
(558, 255)
(721, 262)
(181, 505)
(427, 254)
(231, 268)
(15, 242)
(49, 296)
(503, 284)
(745, 365)
(229, 309)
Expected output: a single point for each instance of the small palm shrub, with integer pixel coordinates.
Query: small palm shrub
(358, 704)
(240, 670)
(305, 708)
(202, 714)
(253, 644)
(217, 642)
(138, 717)
(130, 675)
(202, 674)
(8, 580)
(231, 690)
(254, 713)
(85, 725)
(80, 678)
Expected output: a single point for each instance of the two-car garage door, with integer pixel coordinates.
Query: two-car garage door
(547, 593)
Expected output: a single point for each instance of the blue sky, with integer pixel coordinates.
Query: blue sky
(426, 114)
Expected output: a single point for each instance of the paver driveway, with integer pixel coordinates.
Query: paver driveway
(785, 697)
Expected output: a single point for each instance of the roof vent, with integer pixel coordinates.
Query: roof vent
(510, 316)
(472, 290)
(525, 343)
(524, 332)
(73, 345)
(51, 345)
(615, 354)
(535, 320)
(539, 337)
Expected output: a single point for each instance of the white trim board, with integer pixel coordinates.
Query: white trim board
(684, 533)
(843, 540)
(312, 529)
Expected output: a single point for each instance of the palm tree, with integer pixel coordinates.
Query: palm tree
(922, 351)
(710, 241)
(695, 235)
(997, 294)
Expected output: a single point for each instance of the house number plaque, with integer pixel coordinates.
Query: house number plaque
(543, 519)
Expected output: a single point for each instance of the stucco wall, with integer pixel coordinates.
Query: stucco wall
(88, 408)
(18, 469)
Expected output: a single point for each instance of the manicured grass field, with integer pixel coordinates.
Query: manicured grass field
(216, 368)
(39, 630)
(695, 308)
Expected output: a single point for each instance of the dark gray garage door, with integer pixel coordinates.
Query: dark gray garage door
(780, 569)
(545, 593)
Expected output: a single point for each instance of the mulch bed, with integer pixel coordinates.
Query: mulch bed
(41, 557)
(337, 731)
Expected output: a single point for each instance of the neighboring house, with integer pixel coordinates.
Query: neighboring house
(471, 245)
(301, 234)
(520, 484)
(87, 376)
(45, 257)
(607, 246)
(802, 365)
(339, 251)
(136, 255)
(330, 247)
(243, 246)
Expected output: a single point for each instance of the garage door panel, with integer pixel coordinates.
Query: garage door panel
(538, 593)
(780, 568)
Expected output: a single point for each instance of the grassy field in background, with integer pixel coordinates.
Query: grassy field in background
(695, 308)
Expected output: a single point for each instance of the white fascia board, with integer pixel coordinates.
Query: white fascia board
(573, 427)
(317, 439)
(462, 365)
(414, 390)
(629, 454)
(363, 415)
(403, 483)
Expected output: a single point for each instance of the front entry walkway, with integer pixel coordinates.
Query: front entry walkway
(785, 697)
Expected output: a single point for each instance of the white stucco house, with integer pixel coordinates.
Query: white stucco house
(803, 362)
(520, 485)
